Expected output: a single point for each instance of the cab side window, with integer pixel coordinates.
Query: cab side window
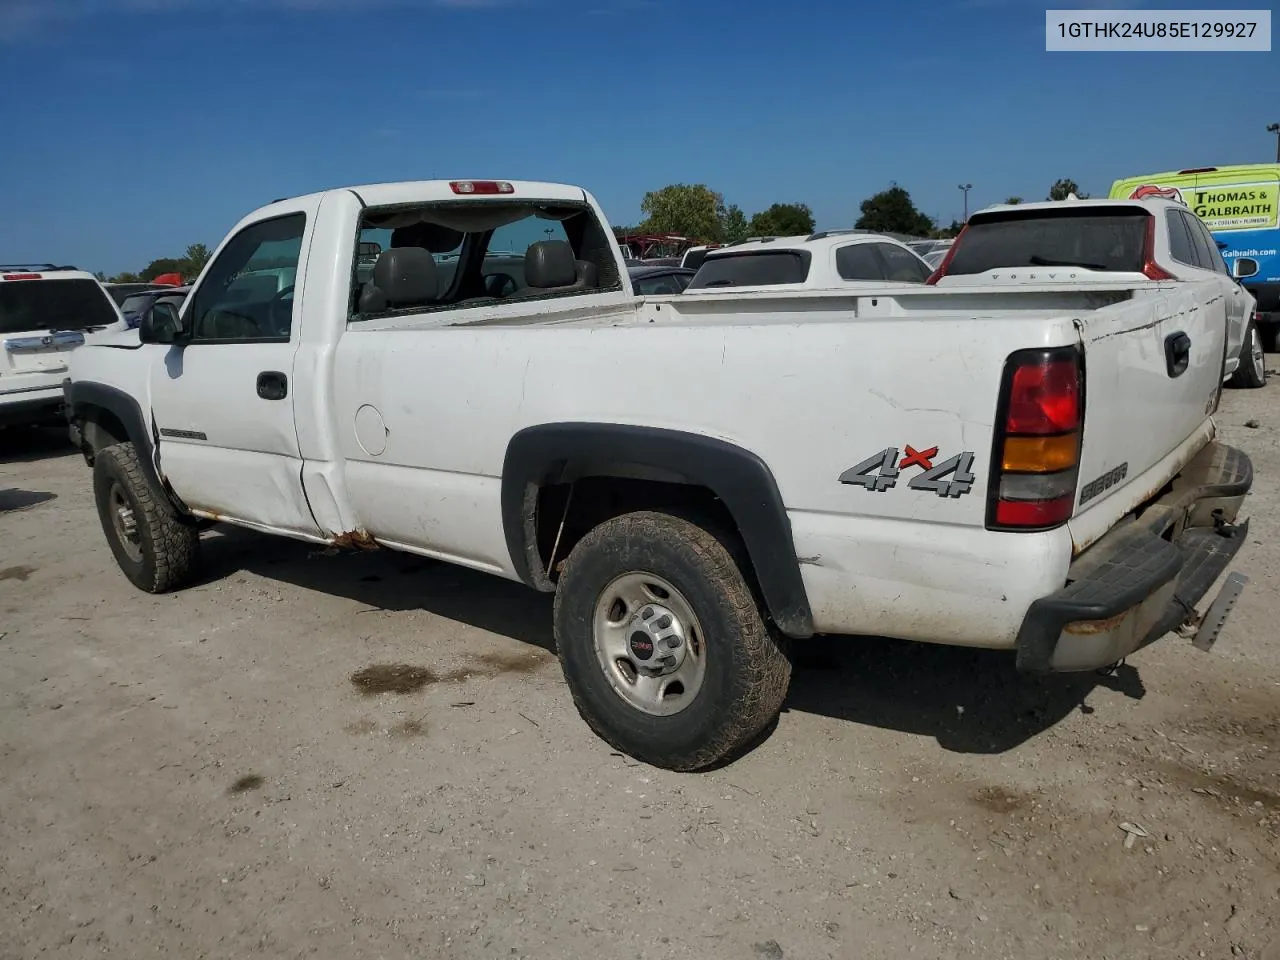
(901, 266)
(1211, 255)
(247, 292)
(858, 261)
(1180, 245)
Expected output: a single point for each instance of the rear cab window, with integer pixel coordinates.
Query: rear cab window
(52, 304)
(471, 253)
(752, 269)
(1109, 240)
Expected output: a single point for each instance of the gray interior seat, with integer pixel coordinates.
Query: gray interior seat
(403, 277)
(550, 267)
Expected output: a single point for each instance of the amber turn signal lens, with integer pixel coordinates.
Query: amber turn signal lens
(1041, 454)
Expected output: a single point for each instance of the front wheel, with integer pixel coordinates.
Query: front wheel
(662, 643)
(152, 545)
(1252, 372)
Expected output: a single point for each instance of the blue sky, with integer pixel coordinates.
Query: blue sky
(134, 127)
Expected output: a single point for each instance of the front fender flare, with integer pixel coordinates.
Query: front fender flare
(80, 396)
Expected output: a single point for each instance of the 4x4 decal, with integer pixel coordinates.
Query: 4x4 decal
(952, 477)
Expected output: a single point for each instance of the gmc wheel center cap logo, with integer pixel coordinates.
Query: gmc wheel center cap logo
(641, 645)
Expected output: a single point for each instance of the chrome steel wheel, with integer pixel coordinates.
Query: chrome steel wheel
(649, 643)
(1256, 354)
(124, 522)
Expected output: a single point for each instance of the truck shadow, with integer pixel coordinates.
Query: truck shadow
(384, 580)
(16, 499)
(969, 701)
(27, 444)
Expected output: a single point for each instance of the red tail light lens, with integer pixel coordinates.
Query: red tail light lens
(1036, 456)
(22, 276)
(1044, 398)
(1033, 514)
(1150, 269)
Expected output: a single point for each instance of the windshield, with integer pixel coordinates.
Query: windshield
(27, 305)
(750, 269)
(136, 304)
(1108, 240)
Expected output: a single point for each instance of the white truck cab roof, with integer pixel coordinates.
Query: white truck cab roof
(829, 260)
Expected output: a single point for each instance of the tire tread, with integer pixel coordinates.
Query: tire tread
(174, 543)
(761, 684)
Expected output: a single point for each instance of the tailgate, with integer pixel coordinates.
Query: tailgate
(35, 353)
(1153, 376)
(44, 315)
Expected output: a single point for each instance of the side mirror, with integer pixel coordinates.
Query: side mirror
(1244, 267)
(161, 324)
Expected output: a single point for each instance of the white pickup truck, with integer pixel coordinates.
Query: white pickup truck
(699, 480)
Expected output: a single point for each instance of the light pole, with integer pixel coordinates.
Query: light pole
(965, 188)
(1275, 128)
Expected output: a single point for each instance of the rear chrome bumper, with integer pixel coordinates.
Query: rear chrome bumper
(1144, 578)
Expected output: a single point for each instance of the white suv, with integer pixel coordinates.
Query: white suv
(45, 313)
(831, 260)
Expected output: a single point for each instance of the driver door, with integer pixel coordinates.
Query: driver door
(223, 402)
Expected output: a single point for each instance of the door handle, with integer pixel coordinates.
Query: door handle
(1177, 353)
(273, 385)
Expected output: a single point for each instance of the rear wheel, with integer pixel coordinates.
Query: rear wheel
(663, 645)
(152, 545)
(1252, 372)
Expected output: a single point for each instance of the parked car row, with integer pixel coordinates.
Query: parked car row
(1015, 452)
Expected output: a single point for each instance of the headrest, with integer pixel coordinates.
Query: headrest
(588, 275)
(550, 263)
(406, 276)
(428, 236)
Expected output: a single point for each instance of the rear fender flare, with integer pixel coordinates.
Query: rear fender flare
(561, 452)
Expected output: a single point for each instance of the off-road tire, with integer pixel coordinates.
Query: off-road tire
(1248, 376)
(166, 544)
(747, 668)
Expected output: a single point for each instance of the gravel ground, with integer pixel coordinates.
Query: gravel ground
(369, 755)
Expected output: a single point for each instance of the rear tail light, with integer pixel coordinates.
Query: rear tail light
(946, 261)
(481, 187)
(1150, 269)
(22, 276)
(1036, 460)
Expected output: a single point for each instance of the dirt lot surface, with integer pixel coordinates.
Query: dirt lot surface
(370, 755)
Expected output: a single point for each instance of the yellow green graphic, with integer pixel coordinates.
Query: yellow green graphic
(1239, 206)
(1225, 198)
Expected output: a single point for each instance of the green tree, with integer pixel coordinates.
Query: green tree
(734, 227)
(1013, 201)
(892, 211)
(946, 233)
(782, 220)
(691, 210)
(1063, 189)
(102, 277)
(196, 257)
(126, 277)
